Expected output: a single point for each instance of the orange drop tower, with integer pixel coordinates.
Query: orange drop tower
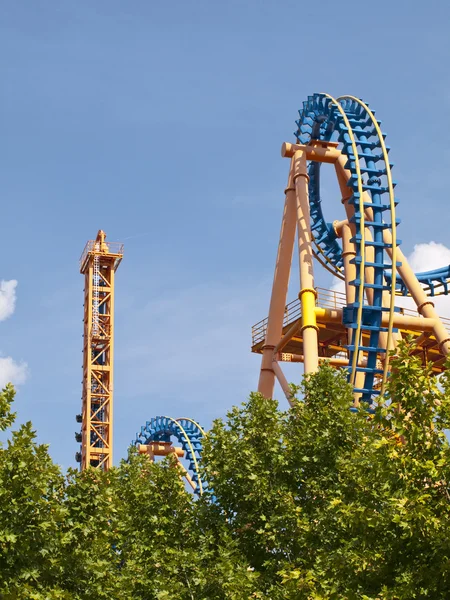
(98, 264)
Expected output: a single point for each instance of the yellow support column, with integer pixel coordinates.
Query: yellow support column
(307, 293)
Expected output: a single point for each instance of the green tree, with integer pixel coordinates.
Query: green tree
(328, 503)
(315, 502)
(31, 513)
(134, 532)
(170, 545)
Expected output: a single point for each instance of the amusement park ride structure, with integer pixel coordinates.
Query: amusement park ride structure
(98, 264)
(355, 330)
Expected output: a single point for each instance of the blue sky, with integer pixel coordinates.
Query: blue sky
(162, 124)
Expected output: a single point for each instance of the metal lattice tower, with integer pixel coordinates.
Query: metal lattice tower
(98, 264)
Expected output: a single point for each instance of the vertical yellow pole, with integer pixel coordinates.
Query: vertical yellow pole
(307, 293)
(88, 374)
(111, 370)
(279, 290)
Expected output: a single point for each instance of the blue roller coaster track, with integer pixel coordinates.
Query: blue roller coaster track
(189, 435)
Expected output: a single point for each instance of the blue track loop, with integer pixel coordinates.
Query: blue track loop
(318, 121)
(322, 119)
(189, 435)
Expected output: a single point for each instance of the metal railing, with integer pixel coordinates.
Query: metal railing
(409, 312)
(293, 311)
(94, 246)
(325, 299)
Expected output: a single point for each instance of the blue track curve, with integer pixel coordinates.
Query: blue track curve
(189, 435)
(318, 120)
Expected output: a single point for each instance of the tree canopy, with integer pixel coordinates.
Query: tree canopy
(313, 502)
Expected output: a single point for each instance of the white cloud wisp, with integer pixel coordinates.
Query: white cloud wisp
(7, 298)
(11, 371)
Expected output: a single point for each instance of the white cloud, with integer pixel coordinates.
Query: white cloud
(427, 257)
(7, 298)
(12, 371)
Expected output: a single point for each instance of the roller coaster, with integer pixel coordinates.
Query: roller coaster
(356, 330)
